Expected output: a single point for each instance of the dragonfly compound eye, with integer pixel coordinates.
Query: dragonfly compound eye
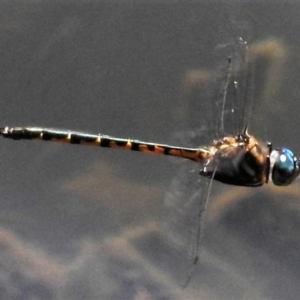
(285, 166)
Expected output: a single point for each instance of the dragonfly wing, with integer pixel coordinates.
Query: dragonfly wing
(185, 202)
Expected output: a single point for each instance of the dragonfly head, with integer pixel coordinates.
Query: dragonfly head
(284, 166)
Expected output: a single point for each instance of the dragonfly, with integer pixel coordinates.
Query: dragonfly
(234, 159)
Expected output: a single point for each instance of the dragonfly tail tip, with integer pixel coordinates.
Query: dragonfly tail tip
(3, 131)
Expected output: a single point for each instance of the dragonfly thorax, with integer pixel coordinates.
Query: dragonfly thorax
(239, 160)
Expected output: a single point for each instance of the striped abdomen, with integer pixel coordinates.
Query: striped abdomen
(45, 134)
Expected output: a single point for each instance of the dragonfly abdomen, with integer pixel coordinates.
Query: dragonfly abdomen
(100, 140)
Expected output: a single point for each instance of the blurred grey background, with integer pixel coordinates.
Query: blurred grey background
(84, 223)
